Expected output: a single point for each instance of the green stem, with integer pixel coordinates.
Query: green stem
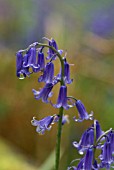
(58, 141)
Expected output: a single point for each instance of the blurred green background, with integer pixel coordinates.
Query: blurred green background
(83, 28)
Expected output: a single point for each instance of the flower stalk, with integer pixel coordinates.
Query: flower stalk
(58, 139)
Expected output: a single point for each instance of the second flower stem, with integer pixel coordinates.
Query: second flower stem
(58, 142)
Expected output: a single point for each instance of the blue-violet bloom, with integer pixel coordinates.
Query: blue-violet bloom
(106, 155)
(29, 60)
(44, 93)
(88, 159)
(40, 61)
(43, 125)
(99, 131)
(67, 73)
(51, 53)
(62, 99)
(82, 112)
(111, 137)
(67, 79)
(48, 74)
(21, 72)
(87, 140)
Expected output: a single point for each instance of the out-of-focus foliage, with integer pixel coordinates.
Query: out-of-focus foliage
(11, 159)
(86, 30)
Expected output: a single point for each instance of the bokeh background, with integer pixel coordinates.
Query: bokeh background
(83, 28)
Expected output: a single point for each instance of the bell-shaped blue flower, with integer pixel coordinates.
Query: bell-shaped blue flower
(48, 74)
(43, 125)
(62, 99)
(88, 159)
(67, 79)
(86, 141)
(85, 162)
(111, 137)
(106, 155)
(51, 53)
(21, 72)
(41, 60)
(44, 93)
(99, 131)
(67, 73)
(29, 60)
(32, 59)
(83, 115)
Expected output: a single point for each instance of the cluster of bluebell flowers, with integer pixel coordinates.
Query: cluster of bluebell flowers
(91, 140)
(34, 60)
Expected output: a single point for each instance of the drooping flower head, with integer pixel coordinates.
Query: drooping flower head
(43, 125)
(82, 112)
(21, 71)
(88, 159)
(41, 59)
(31, 61)
(44, 93)
(99, 131)
(87, 138)
(51, 53)
(111, 137)
(46, 123)
(67, 72)
(40, 62)
(85, 162)
(106, 155)
(86, 141)
(62, 98)
(67, 79)
(48, 74)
